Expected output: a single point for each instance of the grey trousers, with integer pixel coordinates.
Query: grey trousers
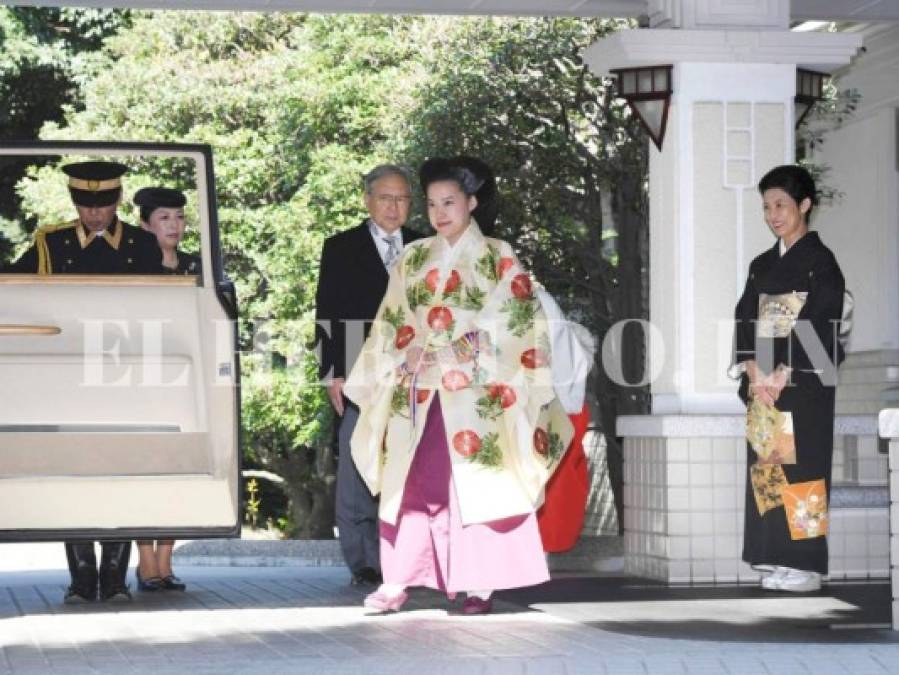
(356, 510)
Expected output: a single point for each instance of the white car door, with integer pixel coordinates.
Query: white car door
(119, 406)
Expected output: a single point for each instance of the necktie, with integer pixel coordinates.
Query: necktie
(393, 251)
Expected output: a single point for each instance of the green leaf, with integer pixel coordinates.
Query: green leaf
(489, 407)
(487, 264)
(556, 446)
(521, 313)
(399, 402)
(418, 294)
(394, 317)
(490, 454)
(473, 298)
(416, 258)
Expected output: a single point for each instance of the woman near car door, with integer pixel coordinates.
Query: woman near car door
(162, 214)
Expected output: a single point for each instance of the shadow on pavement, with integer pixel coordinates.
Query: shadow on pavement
(39, 593)
(839, 613)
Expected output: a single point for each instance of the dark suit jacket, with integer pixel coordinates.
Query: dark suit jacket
(352, 281)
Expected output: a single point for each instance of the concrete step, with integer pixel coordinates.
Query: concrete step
(869, 375)
(601, 555)
(880, 357)
(863, 392)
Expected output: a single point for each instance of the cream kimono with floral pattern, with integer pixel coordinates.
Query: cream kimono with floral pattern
(471, 309)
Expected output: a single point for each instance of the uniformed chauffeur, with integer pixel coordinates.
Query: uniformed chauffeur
(97, 242)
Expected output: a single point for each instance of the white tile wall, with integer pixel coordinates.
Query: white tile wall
(600, 518)
(893, 529)
(684, 501)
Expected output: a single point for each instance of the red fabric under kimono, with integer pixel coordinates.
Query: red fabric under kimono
(561, 518)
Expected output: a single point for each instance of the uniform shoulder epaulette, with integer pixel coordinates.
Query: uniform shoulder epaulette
(56, 227)
(44, 265)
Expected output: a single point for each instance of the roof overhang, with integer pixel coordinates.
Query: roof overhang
(865, 11)
(635, 48)
(582, 8)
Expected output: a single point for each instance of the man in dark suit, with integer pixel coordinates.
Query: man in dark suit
(352, 281)
(96, 242)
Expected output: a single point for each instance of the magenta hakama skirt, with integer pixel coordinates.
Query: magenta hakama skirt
(429, 545)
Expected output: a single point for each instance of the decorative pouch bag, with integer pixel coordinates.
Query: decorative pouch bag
(770, 433)
(768, 484)
(806, 509)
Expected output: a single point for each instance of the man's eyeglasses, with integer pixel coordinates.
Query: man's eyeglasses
(398, 200)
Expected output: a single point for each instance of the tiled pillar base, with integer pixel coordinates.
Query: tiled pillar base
(889, 428)
(683, 506)
(684, 498)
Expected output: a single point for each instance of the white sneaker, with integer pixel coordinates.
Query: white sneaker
(800, 581)
(771, 581)
(764, 570)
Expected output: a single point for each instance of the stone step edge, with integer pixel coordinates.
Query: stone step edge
(592, 554)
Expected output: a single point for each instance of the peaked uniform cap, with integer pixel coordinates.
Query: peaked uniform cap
(95, 183)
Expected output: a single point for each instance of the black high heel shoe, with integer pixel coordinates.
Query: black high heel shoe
(173, 583)
(149, 585)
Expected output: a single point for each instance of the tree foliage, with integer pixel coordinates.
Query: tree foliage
(826, 115)
(297, 107)
(43, 53)
(571, 165)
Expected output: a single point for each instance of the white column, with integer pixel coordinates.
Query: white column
(862, 225)
(698, 14)
(731, 120)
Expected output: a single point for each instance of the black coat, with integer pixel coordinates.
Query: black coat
(352, 281)
(136, 252)
(188, 263)
(808, 267)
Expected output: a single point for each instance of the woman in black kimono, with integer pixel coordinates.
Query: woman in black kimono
(787, 351)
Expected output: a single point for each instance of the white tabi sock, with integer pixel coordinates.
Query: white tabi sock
(391, 590)
(483, 595)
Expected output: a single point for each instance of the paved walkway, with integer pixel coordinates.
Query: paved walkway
(299, 620)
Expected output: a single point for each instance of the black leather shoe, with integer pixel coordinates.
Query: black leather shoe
(113, 568)
(77, 596)
(83, 570)
(116, 593)
(148, 585)
(173, 583)
(367, 576)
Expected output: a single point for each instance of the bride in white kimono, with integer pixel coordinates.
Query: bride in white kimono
(460, 427)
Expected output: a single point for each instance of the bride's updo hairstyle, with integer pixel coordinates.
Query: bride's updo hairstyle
(474, 177)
